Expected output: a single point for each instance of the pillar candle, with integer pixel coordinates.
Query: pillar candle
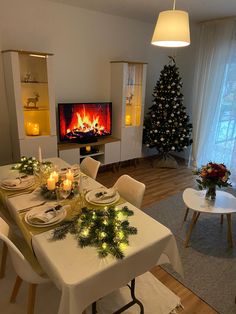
(70, 175)
(67, 185)
(55, 176)
(51, 184)
(40, 155)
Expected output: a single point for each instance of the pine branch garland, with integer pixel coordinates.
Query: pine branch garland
(108, 230)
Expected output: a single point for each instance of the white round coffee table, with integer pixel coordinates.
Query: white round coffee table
(225, 203)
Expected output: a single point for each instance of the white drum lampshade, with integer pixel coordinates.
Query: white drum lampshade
(172, 29)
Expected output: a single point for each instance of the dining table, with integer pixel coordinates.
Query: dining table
(79, 273)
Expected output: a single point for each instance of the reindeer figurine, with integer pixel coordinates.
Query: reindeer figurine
(32, 101)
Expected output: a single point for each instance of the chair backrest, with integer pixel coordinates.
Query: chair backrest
(130, 189)
(21, 265)
(90, 166)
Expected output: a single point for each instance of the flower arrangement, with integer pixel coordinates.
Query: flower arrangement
(107, 229)
(213, 174)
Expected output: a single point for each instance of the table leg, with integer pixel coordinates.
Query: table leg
(229, 233)
(221, 219)
(193, 222)
(186, 214)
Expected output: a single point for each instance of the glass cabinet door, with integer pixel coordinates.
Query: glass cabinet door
(34, 94)
(133, 92)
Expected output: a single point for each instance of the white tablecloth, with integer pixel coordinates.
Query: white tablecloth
(83, 277)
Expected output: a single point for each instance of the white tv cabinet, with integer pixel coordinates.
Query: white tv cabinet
(107, 151)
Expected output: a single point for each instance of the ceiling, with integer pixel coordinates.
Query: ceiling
(147, 10)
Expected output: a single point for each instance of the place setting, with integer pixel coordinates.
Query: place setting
(17, 183)
(102, 196)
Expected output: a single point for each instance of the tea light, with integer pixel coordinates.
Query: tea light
(51, 184)
(67, 185)
(55, 176)
(88, 149)
(70, 175)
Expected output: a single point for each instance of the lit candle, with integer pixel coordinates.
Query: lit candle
(51, 184)
(88, 149)
(70, 175)
(35, 129)
(55, 176)
(32, 128)
(128, 119)
(40, 154)
(67, 185)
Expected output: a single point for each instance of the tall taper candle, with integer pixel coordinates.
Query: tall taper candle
(40, 154)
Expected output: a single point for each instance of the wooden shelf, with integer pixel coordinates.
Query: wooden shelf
(101, 141)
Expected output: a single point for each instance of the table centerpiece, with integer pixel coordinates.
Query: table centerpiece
(212, 175)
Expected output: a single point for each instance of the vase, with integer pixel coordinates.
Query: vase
(211, 193)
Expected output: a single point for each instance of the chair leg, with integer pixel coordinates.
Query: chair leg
(186, 214)
(3, 261)
(31, 298)
(15, 290)
(221, 219)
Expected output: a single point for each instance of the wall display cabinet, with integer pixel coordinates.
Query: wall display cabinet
(128, 83)
(31, 103)
(106, 150)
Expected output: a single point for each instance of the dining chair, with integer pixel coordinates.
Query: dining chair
(22, 268)
(90, 166)
(130, 189)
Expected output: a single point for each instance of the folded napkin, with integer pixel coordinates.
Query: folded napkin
(17, 181)
(41, 217)
(104, 195)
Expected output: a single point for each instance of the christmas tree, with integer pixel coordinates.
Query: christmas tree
(166, 125)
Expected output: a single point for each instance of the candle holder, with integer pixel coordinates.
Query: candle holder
(60, 191)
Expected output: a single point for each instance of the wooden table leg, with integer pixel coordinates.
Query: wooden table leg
(229, 233)
(221, 219)
(186, 214)
(193, 222)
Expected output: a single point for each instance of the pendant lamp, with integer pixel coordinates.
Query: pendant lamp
(172, 29)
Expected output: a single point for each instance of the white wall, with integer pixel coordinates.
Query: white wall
(84, 42)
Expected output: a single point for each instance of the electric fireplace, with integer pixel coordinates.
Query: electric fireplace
(84, 122)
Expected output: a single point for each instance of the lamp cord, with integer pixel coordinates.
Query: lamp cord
(174, 4)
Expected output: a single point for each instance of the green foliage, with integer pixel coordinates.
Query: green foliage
(29, 165)
(166, 125)
(108, 230)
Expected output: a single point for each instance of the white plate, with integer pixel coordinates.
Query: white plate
(22, 186)
(91, 198)
(59, 216)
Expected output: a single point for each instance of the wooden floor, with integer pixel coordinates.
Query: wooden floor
(161, 183)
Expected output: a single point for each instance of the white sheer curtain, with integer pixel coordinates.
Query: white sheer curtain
(214, 98)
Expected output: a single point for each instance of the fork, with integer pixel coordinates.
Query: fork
(28, 208)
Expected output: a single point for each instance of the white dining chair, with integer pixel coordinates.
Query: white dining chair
(22, 268)
(90, 166)
(130, 189)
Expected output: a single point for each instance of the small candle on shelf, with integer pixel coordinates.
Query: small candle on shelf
(88, 149)
(55, 176)
(70, 175)
(51, 184)
(32, 128)
(67, 185)
(128, 119)
(40, 155)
